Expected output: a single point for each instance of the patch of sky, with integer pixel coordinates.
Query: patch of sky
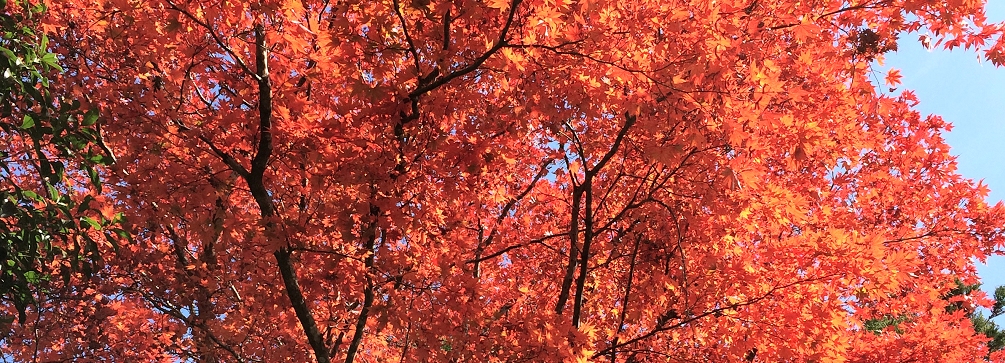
(970, 94)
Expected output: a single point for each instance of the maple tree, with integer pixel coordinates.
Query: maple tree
(516, 180)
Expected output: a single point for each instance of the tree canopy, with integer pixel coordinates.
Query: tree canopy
(47, 138)
(515, 180)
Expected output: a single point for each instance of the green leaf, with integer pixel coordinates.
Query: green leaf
(31, 195)
(100, 159)
(91, 117)
(44, 166)
(95, 178)
(91, 222)
(32, 277)
(35, 94)
(58, 170)
(9, 54)
(113, 241)
(123, 234)
(28, 122)
(50, 60)
(85, 204)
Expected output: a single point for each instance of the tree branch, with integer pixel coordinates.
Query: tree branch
(671, 314)
(219, 41)
(502, 215)
(255, 180)
(587, 190)
(364, 313)
(499, 44)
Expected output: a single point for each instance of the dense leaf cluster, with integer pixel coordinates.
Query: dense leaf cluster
(493, 181)
(46, 140)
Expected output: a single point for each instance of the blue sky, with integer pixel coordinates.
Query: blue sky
(971, 95)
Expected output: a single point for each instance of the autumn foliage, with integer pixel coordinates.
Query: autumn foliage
(516, 180)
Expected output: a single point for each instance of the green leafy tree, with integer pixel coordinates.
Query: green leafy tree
(983, 324)
(48, 141)
(959, 300)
